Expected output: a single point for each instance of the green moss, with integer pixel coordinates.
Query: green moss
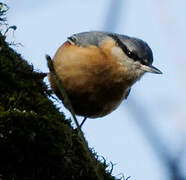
(36, 141)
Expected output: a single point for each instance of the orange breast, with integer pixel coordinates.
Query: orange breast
(93, 79)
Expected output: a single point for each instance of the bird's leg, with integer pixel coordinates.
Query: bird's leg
(83, 122)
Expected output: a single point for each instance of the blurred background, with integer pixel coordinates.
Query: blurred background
(145, 138)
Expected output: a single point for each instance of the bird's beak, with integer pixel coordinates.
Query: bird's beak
(151, 69)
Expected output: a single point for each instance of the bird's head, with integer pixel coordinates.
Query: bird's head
(135, 55)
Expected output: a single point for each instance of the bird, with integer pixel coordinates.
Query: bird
(98, 69)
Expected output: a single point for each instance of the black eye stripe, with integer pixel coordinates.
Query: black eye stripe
(124, 48)
(132, 55)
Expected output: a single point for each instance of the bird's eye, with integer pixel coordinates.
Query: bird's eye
(132, 55)
(129, 53)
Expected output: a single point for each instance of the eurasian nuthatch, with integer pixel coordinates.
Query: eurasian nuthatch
(98, 69)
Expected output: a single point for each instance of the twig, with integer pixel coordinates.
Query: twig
(68, 104)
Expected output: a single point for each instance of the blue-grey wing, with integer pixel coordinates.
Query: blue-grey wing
(88, 38)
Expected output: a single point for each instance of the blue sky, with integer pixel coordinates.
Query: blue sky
(42, 26)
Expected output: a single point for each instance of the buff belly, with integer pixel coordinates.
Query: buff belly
(93, 80)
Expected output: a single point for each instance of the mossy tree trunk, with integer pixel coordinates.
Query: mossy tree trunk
(36, 141)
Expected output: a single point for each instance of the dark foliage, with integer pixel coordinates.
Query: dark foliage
(36, 141)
